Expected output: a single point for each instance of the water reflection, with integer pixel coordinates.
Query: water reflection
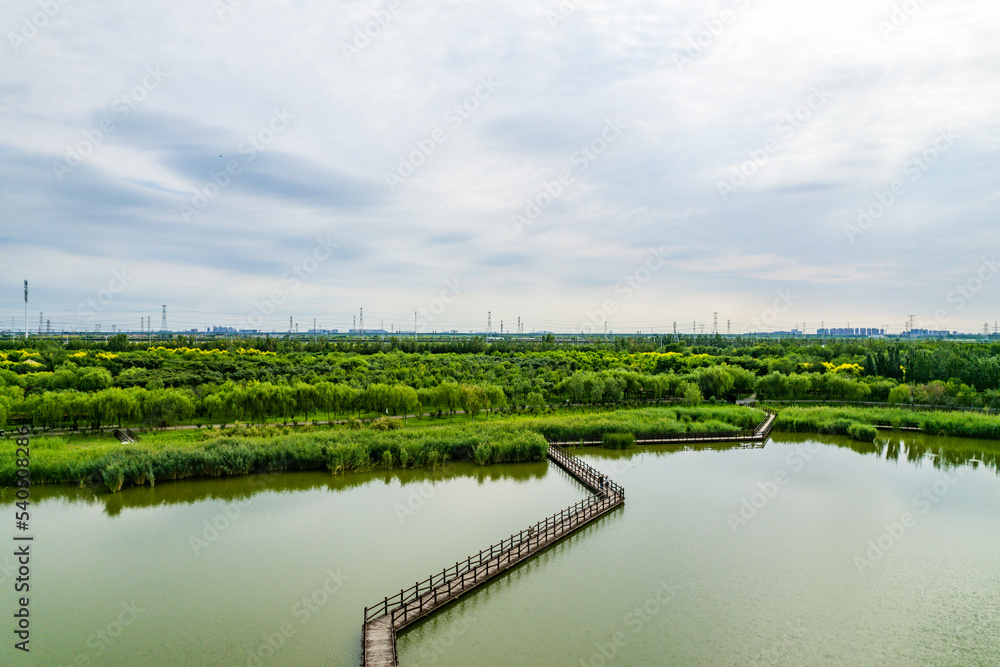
(230, 489)
(941, 451)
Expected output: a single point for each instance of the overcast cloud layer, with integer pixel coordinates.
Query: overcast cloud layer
(635, 163)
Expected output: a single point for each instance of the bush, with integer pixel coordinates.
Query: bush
(385, 424)
(863, 432)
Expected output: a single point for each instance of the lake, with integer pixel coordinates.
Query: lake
(810, 550)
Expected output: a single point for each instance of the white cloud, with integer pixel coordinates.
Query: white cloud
(688, 127)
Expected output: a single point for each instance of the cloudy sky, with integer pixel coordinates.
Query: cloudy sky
(637, 163)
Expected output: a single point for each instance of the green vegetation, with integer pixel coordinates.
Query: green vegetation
(840, 420)
(78, 385)
(646, 421)
(618, 441)
(487, 400)
(245, 449)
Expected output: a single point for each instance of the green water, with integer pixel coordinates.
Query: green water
(819, 569)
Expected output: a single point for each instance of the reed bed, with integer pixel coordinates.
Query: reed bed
(840, 421)
(222, 454)
(618, 441)
(647, 421)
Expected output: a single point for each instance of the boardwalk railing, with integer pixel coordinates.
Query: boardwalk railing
(585, 473)
(760, 432)
(744, 434)
(409, 604)
(764, 427)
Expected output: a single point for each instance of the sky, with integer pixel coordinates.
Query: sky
(567, 165)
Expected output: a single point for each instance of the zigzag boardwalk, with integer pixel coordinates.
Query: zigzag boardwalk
(392, 614)
(398, 611)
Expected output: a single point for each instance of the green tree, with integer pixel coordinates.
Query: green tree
(900, 394)
(472, 398)
(691, 393)
(94, 378)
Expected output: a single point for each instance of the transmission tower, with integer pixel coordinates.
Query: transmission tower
(163, 319)
(361, 321)
(729, 327)
(39, 323)
(25, 309)
(715, 323)
(675, 327)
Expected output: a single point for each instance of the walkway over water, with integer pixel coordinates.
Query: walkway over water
(395, 612)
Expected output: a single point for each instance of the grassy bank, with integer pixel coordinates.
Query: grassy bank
(243, 451)
(240, 450)
(841, 421)
(646, 421)
(103, 462)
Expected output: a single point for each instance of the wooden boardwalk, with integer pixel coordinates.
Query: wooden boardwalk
(758, 434)
(395, 612)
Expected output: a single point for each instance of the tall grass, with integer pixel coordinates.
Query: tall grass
(840, 420)
(618, 441)
(339, 450)
(646, 421)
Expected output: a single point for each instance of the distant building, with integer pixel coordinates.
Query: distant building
(793, 333)
(861, 331)
(931, 332)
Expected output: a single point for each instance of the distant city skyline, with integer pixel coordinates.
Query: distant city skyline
(318, 325)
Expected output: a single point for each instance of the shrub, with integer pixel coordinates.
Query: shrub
(385, 424)
(863, 432)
